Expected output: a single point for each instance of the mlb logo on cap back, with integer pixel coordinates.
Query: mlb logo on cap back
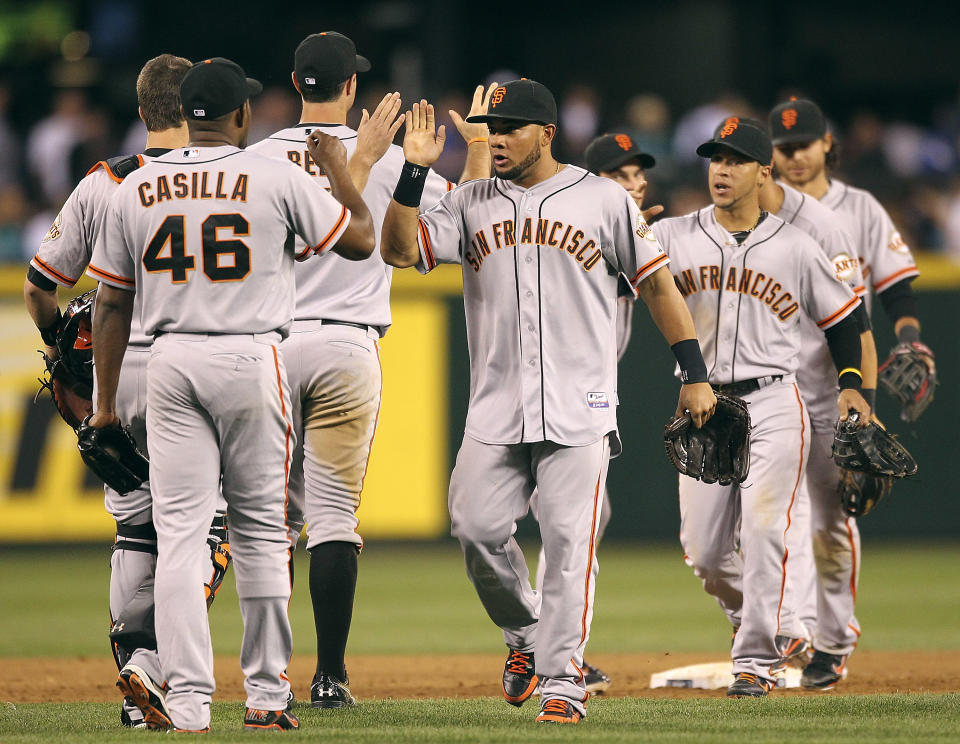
(199, 113)
(214, 88)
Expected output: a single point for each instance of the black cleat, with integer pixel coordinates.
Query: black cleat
(749, 685)
(270, 720)
(519, 677)
(824, 671)
(329, 692)
(596, 681)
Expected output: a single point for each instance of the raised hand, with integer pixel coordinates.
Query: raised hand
(327, 152)
(422, 141)
(479, 105)
(376, 132)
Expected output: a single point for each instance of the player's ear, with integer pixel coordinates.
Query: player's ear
(827, 142)
(140, 113)
(293, 77)
(350, 87)
(547, 133)
(763, 173)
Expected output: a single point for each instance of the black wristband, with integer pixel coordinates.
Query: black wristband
(869, 395)
(692, 367)
(908, 334)
(49, 334)
(850, 379)
(409, 188)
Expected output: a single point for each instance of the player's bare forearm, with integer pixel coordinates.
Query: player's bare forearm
(666, 306)
(477, 164)
(476, 136)
(868, 357)
(41, 304)
(398, 239)
(111, 331)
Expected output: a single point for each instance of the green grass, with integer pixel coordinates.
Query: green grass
(780, 719)
(416, 599)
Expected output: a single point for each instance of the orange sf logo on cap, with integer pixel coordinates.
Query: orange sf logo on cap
(730, 126)
(624, 141)
(498, 95)
(788, 118)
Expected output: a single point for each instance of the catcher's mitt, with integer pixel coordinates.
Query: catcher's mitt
(717, 452)
(870, 449)
(69, 377)
(112, 454)
(860, 492)
(910, 375)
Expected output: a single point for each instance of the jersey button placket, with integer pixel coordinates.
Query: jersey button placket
(726, 330)
(529, 329)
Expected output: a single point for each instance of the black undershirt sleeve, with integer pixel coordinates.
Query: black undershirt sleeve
(39, 280)
(863, 320)
(899, 301)
(843, 339)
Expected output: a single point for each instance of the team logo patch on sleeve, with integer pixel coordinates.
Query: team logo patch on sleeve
(54, 232)
(644, 230)
(897, 243)
(598, 400)
(844, 266)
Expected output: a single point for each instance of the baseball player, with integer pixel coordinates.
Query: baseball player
(542, 246)
(60, 261)
(613, 156)
(332, 353)
(748, 278)
(803, 154)
(201, 233)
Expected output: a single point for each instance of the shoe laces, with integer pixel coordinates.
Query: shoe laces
(747, 676)
(518, 663)
(555, 705)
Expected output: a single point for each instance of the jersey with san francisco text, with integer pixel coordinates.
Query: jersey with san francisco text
(541, 270)
(747, 300)
(884, 256)
(66, 249)
(206, 235)
(338, 289)
(817, 374)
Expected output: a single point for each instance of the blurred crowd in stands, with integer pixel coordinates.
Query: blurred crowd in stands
(914, 170)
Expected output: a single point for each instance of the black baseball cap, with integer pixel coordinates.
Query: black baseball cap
(326, 59)
(609, 151)
(520, 100)
(215, 87)
(744, 136)
(798, 120)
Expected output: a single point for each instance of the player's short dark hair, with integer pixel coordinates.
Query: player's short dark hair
(833, 155)
(323, 94)
(158, 91)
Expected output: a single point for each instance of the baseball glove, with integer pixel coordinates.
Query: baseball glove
(860, 492)
(910, 375)
(717, 452)
(870, 449)
(113, 455)
(69, 377)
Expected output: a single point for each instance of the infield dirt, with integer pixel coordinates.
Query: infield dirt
(25, 680)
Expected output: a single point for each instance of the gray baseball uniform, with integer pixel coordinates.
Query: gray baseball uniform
(202, 234)
(332, 355)
(62, 257)
(540, 279)
(747, 302)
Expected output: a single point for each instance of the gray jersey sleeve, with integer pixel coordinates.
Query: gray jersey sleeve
(637, 252)
(887, 255)
(311, 210)
(440, 232)
(824, 299)
(112, 260)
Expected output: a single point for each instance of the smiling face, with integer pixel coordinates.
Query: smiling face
(734, 179)
(516, 146)
(803, 162)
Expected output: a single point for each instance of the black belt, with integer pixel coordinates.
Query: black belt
(745, 387)
(361, 326)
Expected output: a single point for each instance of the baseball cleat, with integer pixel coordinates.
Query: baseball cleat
(270, 720)
(330, 692)
(519, 677)
(749, 685)
(596, 681)
(136, 684)
(824, 671)
(558, 710)
(793, 652)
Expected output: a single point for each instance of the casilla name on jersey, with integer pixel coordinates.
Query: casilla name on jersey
(195, 185)
(752, 283)
(542, 232)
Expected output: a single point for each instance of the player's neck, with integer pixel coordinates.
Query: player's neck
(168, 139)
(816, 187)
(546, 167)
(330, 112)
(771, 197)
(738, 217)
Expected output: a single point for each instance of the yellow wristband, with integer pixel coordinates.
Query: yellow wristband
(851, 369)
(476, 139)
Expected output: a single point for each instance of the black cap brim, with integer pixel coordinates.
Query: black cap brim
(254, 88)
(707, 149)
(645, 161)
(487, 118)
(363, 64)
(796, 138)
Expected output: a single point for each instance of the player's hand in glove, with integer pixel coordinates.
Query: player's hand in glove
(698, 400)
(910, 375)
(851, 401)
(110, 451)
(374, 136)
(717, 452)
(422, 140)
(868, 448)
